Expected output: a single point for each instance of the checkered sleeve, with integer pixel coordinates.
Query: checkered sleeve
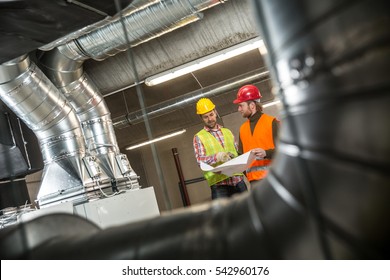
(200, 152)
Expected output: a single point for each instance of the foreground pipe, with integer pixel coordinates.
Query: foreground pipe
(327, 193)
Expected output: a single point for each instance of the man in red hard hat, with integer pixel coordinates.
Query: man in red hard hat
(258, 134)
(215, 145)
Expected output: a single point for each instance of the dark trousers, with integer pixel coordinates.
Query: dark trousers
(227, 190)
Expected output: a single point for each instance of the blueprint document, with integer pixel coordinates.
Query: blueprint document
(235, 165)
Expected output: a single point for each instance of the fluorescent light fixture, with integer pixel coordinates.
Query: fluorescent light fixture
(156, 139)
(271, 103)
(206, 61)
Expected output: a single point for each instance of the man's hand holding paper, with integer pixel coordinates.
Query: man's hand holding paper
(233, 166)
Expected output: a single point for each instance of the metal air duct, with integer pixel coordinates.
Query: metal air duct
(143, 24)
(90, 107)
(144, 20)
(42, 107)
(133, 7)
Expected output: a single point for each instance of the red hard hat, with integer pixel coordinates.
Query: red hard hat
(246, 93)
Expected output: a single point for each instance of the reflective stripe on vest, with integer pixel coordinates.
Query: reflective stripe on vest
(212, 146)
(262, 138)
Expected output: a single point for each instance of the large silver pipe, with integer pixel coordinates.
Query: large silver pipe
(43, 108)
(141, 25)
(90, 106)
(91, 109)
(133, 7)
(144, 20)
(96, 122)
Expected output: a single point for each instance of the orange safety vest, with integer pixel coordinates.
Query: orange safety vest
(262, 138)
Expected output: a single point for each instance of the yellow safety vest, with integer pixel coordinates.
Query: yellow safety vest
(212, 146)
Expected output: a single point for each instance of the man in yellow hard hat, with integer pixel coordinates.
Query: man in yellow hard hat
(215, 145)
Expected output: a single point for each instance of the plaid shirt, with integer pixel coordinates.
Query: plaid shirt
(200, 154)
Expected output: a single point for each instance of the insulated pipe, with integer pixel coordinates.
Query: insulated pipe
(144, 23)
(327, 192)
(134, 6)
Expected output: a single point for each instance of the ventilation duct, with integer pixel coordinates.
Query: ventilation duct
(91, 110)
(133, 7)
(42, 107)
(144, 20)
(327, 193)
(141, 26)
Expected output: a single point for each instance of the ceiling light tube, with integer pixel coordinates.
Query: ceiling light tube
(205, 61)
(269, 104)
(156, 139)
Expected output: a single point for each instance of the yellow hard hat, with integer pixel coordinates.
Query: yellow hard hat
(204, 105)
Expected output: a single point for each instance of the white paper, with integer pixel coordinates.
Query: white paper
(235, 165)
